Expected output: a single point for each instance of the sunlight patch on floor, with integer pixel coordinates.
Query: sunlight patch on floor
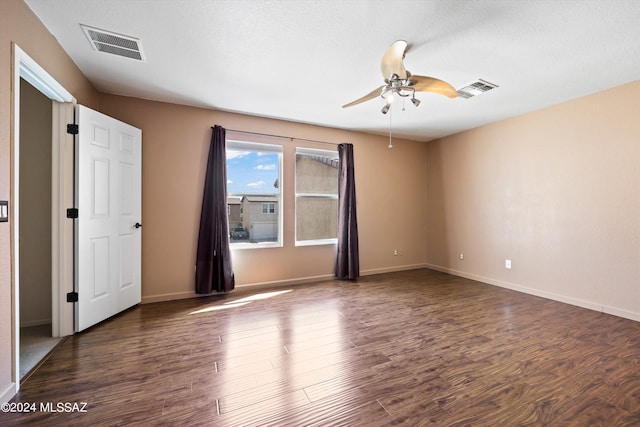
(240, 302)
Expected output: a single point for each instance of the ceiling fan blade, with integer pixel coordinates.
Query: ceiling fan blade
(374, 93)
(430, 84)
(392, 61)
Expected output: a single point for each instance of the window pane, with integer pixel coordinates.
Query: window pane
(253, 176)
(316, 218)
(316, 195)
(316, 174)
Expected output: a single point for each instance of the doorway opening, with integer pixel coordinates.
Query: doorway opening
(36, 338)
(42, 265)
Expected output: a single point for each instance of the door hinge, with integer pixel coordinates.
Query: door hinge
(72, 129)
(72, 297)
(72, 213)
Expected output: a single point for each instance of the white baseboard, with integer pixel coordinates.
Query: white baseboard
(543, 294)
(238, 288)
(8, 393)
(286, 282)
(276, 283)
(167, 297)
(373, 271)
(631, 315)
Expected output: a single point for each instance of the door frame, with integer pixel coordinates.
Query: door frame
(61, 190)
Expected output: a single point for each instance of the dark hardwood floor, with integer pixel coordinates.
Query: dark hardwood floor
(416, 348)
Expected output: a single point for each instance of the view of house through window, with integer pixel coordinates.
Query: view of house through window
(253, 193)
(316, 196)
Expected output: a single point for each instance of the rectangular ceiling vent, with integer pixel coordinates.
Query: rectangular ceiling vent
(116, 44)
(476, 88)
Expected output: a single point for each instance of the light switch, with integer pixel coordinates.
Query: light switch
(4, 211)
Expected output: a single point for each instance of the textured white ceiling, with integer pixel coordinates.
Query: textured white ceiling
(302, 60)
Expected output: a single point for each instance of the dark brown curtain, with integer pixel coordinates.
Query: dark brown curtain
(348, 261)
(213, 260)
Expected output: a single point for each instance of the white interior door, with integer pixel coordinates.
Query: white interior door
(108, 234)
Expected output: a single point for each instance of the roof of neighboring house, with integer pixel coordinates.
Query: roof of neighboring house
(259, 198)
(322, 159)
(234, 200)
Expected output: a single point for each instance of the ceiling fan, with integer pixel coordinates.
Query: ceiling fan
(401, 82)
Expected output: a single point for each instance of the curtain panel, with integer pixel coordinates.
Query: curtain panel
(348, 258)
(214, 272)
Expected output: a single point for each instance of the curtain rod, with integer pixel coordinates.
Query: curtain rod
(281, 136)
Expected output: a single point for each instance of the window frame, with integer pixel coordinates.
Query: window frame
(297, 195)
(267, 208)
(238, 145)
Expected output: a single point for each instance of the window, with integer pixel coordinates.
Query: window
(254, 194)
(316, 196)
(268, 208)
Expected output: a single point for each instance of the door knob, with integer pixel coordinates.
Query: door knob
(137, 225)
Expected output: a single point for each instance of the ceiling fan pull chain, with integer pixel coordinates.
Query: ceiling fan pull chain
(390, 145)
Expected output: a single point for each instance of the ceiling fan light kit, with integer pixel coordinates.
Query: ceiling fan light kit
(398, 87)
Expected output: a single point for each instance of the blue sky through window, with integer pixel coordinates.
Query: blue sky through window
(251, 172)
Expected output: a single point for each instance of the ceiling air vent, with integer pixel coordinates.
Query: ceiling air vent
(476, 88)
(116, 44)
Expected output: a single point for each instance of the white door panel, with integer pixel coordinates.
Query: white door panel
(108, 197)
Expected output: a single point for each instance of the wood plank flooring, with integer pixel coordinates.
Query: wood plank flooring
(416, 348)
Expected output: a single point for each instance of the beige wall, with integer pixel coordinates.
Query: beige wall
(35, 206)
(19, 25)
(174, 153)
(556, 191)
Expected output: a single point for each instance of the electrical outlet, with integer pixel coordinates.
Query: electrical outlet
(4, 211)
(461, 255)
(507, 264)
(395, 252)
